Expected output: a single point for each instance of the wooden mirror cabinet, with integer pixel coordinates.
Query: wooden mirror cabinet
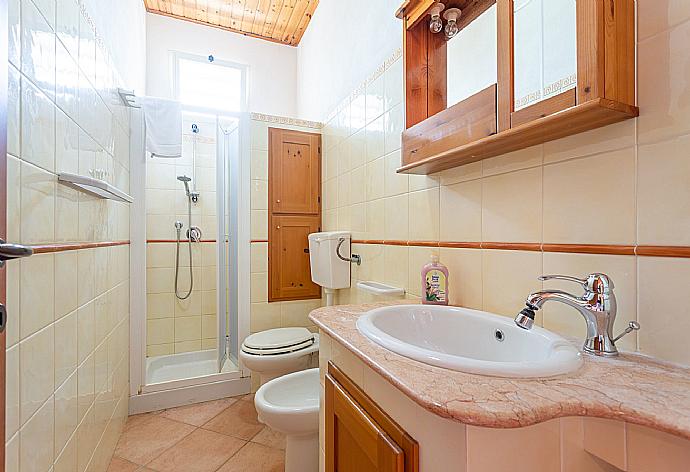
(594, 40)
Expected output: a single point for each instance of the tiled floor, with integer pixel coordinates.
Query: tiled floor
(222, 435)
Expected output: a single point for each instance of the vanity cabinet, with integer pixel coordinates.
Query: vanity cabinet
(359, 436)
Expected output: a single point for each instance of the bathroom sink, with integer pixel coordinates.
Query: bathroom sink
(469, 341)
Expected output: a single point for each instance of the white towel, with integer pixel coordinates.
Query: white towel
(163, 127)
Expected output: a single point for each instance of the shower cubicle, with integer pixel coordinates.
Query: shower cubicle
(188, 225)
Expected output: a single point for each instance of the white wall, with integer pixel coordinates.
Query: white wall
(272, 67)
(344, 43)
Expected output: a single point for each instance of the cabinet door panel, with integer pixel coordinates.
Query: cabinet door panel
(354, 441)
(288, 263)
(294, 172)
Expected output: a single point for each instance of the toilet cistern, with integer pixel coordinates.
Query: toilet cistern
(597, 305)
(330, 258)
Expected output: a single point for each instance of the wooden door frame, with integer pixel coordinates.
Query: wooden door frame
(4, 30)
(272, 131)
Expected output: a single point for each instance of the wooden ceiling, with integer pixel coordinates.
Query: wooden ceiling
(280, 21)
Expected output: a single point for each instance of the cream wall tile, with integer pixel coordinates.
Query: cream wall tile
(37, 292)
(358, 149)
(86, 331)
(154, 350)
(396, 264)
(461, 174)
(37, 431)
(163, 255)
(208, 302)
(394, 183)
(37, 205)
(36, 379)
(259, 224)
(65, 347)
(573, 456)
(461, 212)
(259, 287)
(396, 218)
(14, 40)
(663, 216)
(160, 305)
(606, 439)
(574, 196)
(517, 160)
(86, 272)
(375, 214)
(423, 182)
(622, 270)
(38, 127)
(297, 313)
(187, 328)
(264, 316)
(343, 162)
(537, 447)
(375, 144)
(191, 306)
(507, 278)
(375, 91)
(424, 215)
(660, 88)
(512, 205)
(375, 186)
(649, 450)
(343, 219)
(394, 122)
(65, 412)
(187, 346)
(259, 165)
(38, 46)
(330, 194)
(12, 393)
(66, 214)
(209, 326)
(655, 17)
(609, 138)
(663, 307)
(259, 135)
(160, 331)
(259, 257)
(66, 282)
(358, 220)
(259, 195)
(13, 200)
(13, 111)
(464, 276)
(344, 186)
(393, 84)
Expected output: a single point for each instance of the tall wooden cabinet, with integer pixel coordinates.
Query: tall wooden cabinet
(294, 211)
(359, 435)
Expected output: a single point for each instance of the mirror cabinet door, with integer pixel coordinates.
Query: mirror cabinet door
(471, 58)
(545, 51)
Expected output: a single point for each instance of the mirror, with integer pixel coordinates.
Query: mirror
(545, 38)
(471, 58)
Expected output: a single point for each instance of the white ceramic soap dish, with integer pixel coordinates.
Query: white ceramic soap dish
(378, 288)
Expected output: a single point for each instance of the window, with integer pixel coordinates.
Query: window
(205, 83)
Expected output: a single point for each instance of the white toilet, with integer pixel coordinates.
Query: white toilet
(290, 404)
(279, 351)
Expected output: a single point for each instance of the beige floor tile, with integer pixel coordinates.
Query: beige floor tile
(199, 413)
(270, 438)
(201, 451)
(146, 441)
(136, 420)
(255, 458)
(118, 464)
(239, 420)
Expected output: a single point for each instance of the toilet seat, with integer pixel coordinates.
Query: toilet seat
(278, 341)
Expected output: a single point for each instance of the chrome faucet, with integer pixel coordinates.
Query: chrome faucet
(597, 305)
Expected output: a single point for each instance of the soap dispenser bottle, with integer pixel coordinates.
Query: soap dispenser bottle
(434, 282)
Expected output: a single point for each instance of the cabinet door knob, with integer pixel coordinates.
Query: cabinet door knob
(277, 201)
(277, 227)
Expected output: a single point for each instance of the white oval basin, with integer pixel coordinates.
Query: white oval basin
(468, 341)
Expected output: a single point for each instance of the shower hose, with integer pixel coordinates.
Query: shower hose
(177, 254)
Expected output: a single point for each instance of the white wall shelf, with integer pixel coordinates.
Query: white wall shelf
(97, 187)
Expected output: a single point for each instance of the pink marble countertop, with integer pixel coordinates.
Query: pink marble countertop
(631, 387)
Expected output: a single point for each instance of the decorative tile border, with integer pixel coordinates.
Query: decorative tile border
(608, 249)
(62, 247)
(282, 120)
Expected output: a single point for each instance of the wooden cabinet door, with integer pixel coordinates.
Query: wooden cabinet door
(354, 441)
(288, 260)
(294, 172)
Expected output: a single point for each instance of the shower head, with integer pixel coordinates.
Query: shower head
(185, 180)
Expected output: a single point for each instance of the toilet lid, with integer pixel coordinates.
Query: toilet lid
(278, 341)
